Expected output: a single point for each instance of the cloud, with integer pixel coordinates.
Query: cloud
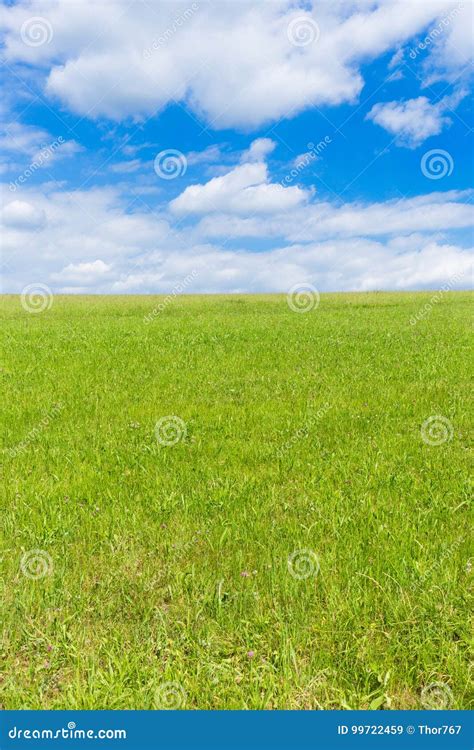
(210, 155)
(41, 148)
(56, 150)
(23, 215)
(127, 167)
(396, 59)
(97, 240)
(279, 58)
(89, 240)
(259, 149)
(23, 139)
(321, 219)
(245, 189)
(414, 120)
(446, 50)
(84, 274)
(28, 139)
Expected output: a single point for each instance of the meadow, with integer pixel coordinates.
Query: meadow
(225, 503)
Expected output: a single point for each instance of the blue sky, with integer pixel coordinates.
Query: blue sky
(236, 147)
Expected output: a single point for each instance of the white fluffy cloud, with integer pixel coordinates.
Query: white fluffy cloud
(447, 51)
(23, 215)
(258, 150)
(244, 190)
(84, 274)
(40, 146)
(279, 59)
(91, 241)
(414, 120)
(435, 212)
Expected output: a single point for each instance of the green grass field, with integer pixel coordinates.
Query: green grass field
(302, 544)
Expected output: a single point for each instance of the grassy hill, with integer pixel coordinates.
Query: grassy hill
(224, 503)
